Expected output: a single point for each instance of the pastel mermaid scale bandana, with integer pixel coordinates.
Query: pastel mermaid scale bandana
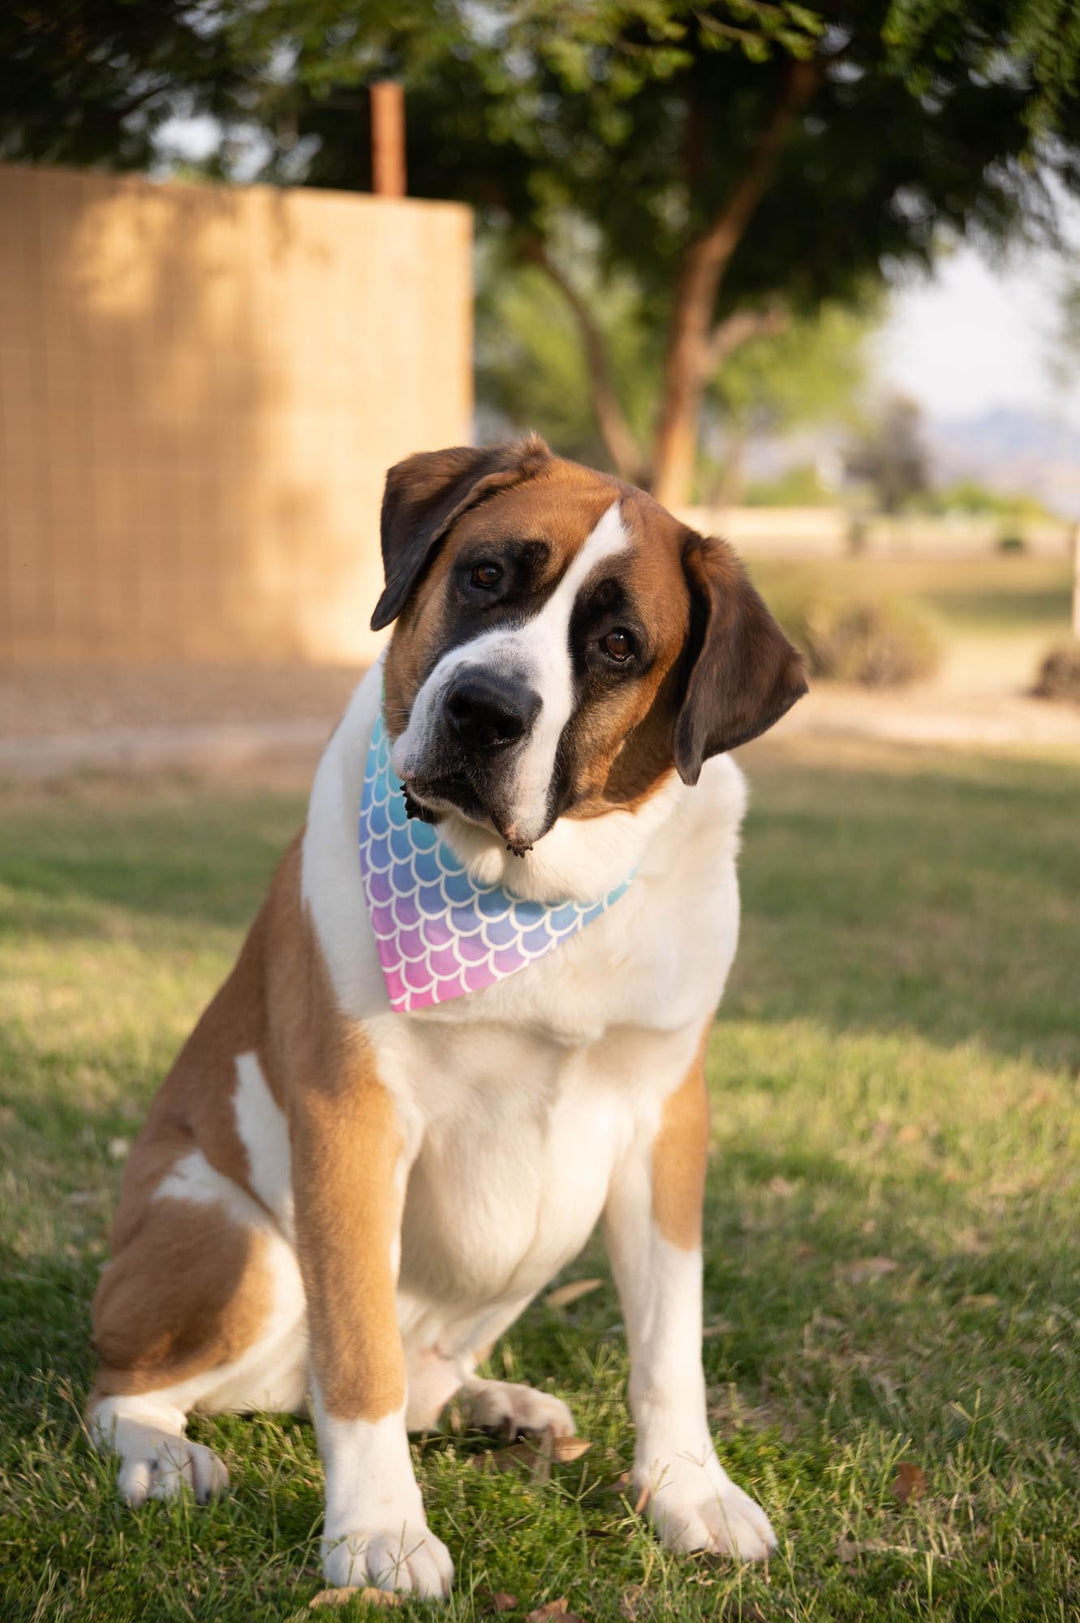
(439, 934)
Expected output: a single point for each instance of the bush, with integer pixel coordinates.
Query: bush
(851, 637)
(1059, 673)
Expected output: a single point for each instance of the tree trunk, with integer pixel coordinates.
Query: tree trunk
(687, 365)
(618, 437)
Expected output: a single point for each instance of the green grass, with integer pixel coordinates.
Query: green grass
(893, 1267)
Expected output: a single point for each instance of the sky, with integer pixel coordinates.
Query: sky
(973, 338)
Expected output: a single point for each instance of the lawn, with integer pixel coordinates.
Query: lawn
(893, 1268)
(991, 594)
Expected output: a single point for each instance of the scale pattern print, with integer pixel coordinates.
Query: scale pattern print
(439, 934)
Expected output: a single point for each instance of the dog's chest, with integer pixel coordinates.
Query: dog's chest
(524, 1096)
(515, 1163)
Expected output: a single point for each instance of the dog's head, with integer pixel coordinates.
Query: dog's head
(562, 642)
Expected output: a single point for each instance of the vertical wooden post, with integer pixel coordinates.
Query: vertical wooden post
(388, 138)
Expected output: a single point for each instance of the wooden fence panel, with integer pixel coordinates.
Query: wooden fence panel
(201, 389)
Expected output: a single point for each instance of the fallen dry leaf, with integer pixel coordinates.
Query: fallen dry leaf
(848, 1549)
(341, 1597)
(866, 1268)
(535, 1455)
(565, 1449)
(551, 1609)
(909, 1483)
(563, 1295)
(497, 1600)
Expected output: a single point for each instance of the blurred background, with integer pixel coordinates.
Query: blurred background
(809, 274)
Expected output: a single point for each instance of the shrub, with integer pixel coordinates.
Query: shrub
(850, 636)
(1059, 673)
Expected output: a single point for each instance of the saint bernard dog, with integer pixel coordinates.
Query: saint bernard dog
(341, 1198)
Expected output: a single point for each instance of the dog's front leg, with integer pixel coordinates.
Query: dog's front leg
(351, 1162)
(652, 1224)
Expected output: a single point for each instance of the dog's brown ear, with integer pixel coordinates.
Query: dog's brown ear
(743, 674)
(426, 493)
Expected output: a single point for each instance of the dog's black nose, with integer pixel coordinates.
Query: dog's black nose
(489, 715)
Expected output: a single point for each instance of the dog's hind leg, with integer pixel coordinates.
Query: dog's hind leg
(156, 1460)
(508, 1407)
(202, 1309)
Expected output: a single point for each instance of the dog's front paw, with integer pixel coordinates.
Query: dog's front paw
(694, 1505)
(409, 1559)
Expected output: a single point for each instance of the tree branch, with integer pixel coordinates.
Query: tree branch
(615, 431)
(740, 327)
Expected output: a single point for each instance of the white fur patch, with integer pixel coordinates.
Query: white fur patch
(193, 1178)
(264, 1133)
(375, 1530)
(692, 1502)
(539, 652)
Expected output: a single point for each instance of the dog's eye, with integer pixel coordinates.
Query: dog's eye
(618, 645)
(485, 577)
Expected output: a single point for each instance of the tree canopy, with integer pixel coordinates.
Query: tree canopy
(735, 158)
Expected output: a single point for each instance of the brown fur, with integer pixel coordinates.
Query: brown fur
(680, 1157)
(186, 1290)
(189, 1292)
(721, 671)
(346, 1149)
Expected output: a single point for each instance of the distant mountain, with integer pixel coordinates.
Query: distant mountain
(1014, 452)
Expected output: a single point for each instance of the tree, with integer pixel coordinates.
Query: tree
(808, 371)
(891, 455)
(531, 370)
(91, 81)
(734, 158)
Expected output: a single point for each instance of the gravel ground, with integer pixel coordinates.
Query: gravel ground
(50, 702)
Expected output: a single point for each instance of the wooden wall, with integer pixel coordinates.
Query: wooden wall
(201, 389)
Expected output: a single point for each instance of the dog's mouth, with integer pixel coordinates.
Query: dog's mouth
(431, 798)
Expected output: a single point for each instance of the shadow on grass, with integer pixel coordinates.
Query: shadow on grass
(943, 899)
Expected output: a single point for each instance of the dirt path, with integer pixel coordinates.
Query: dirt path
(55, 722)
(930, 715)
